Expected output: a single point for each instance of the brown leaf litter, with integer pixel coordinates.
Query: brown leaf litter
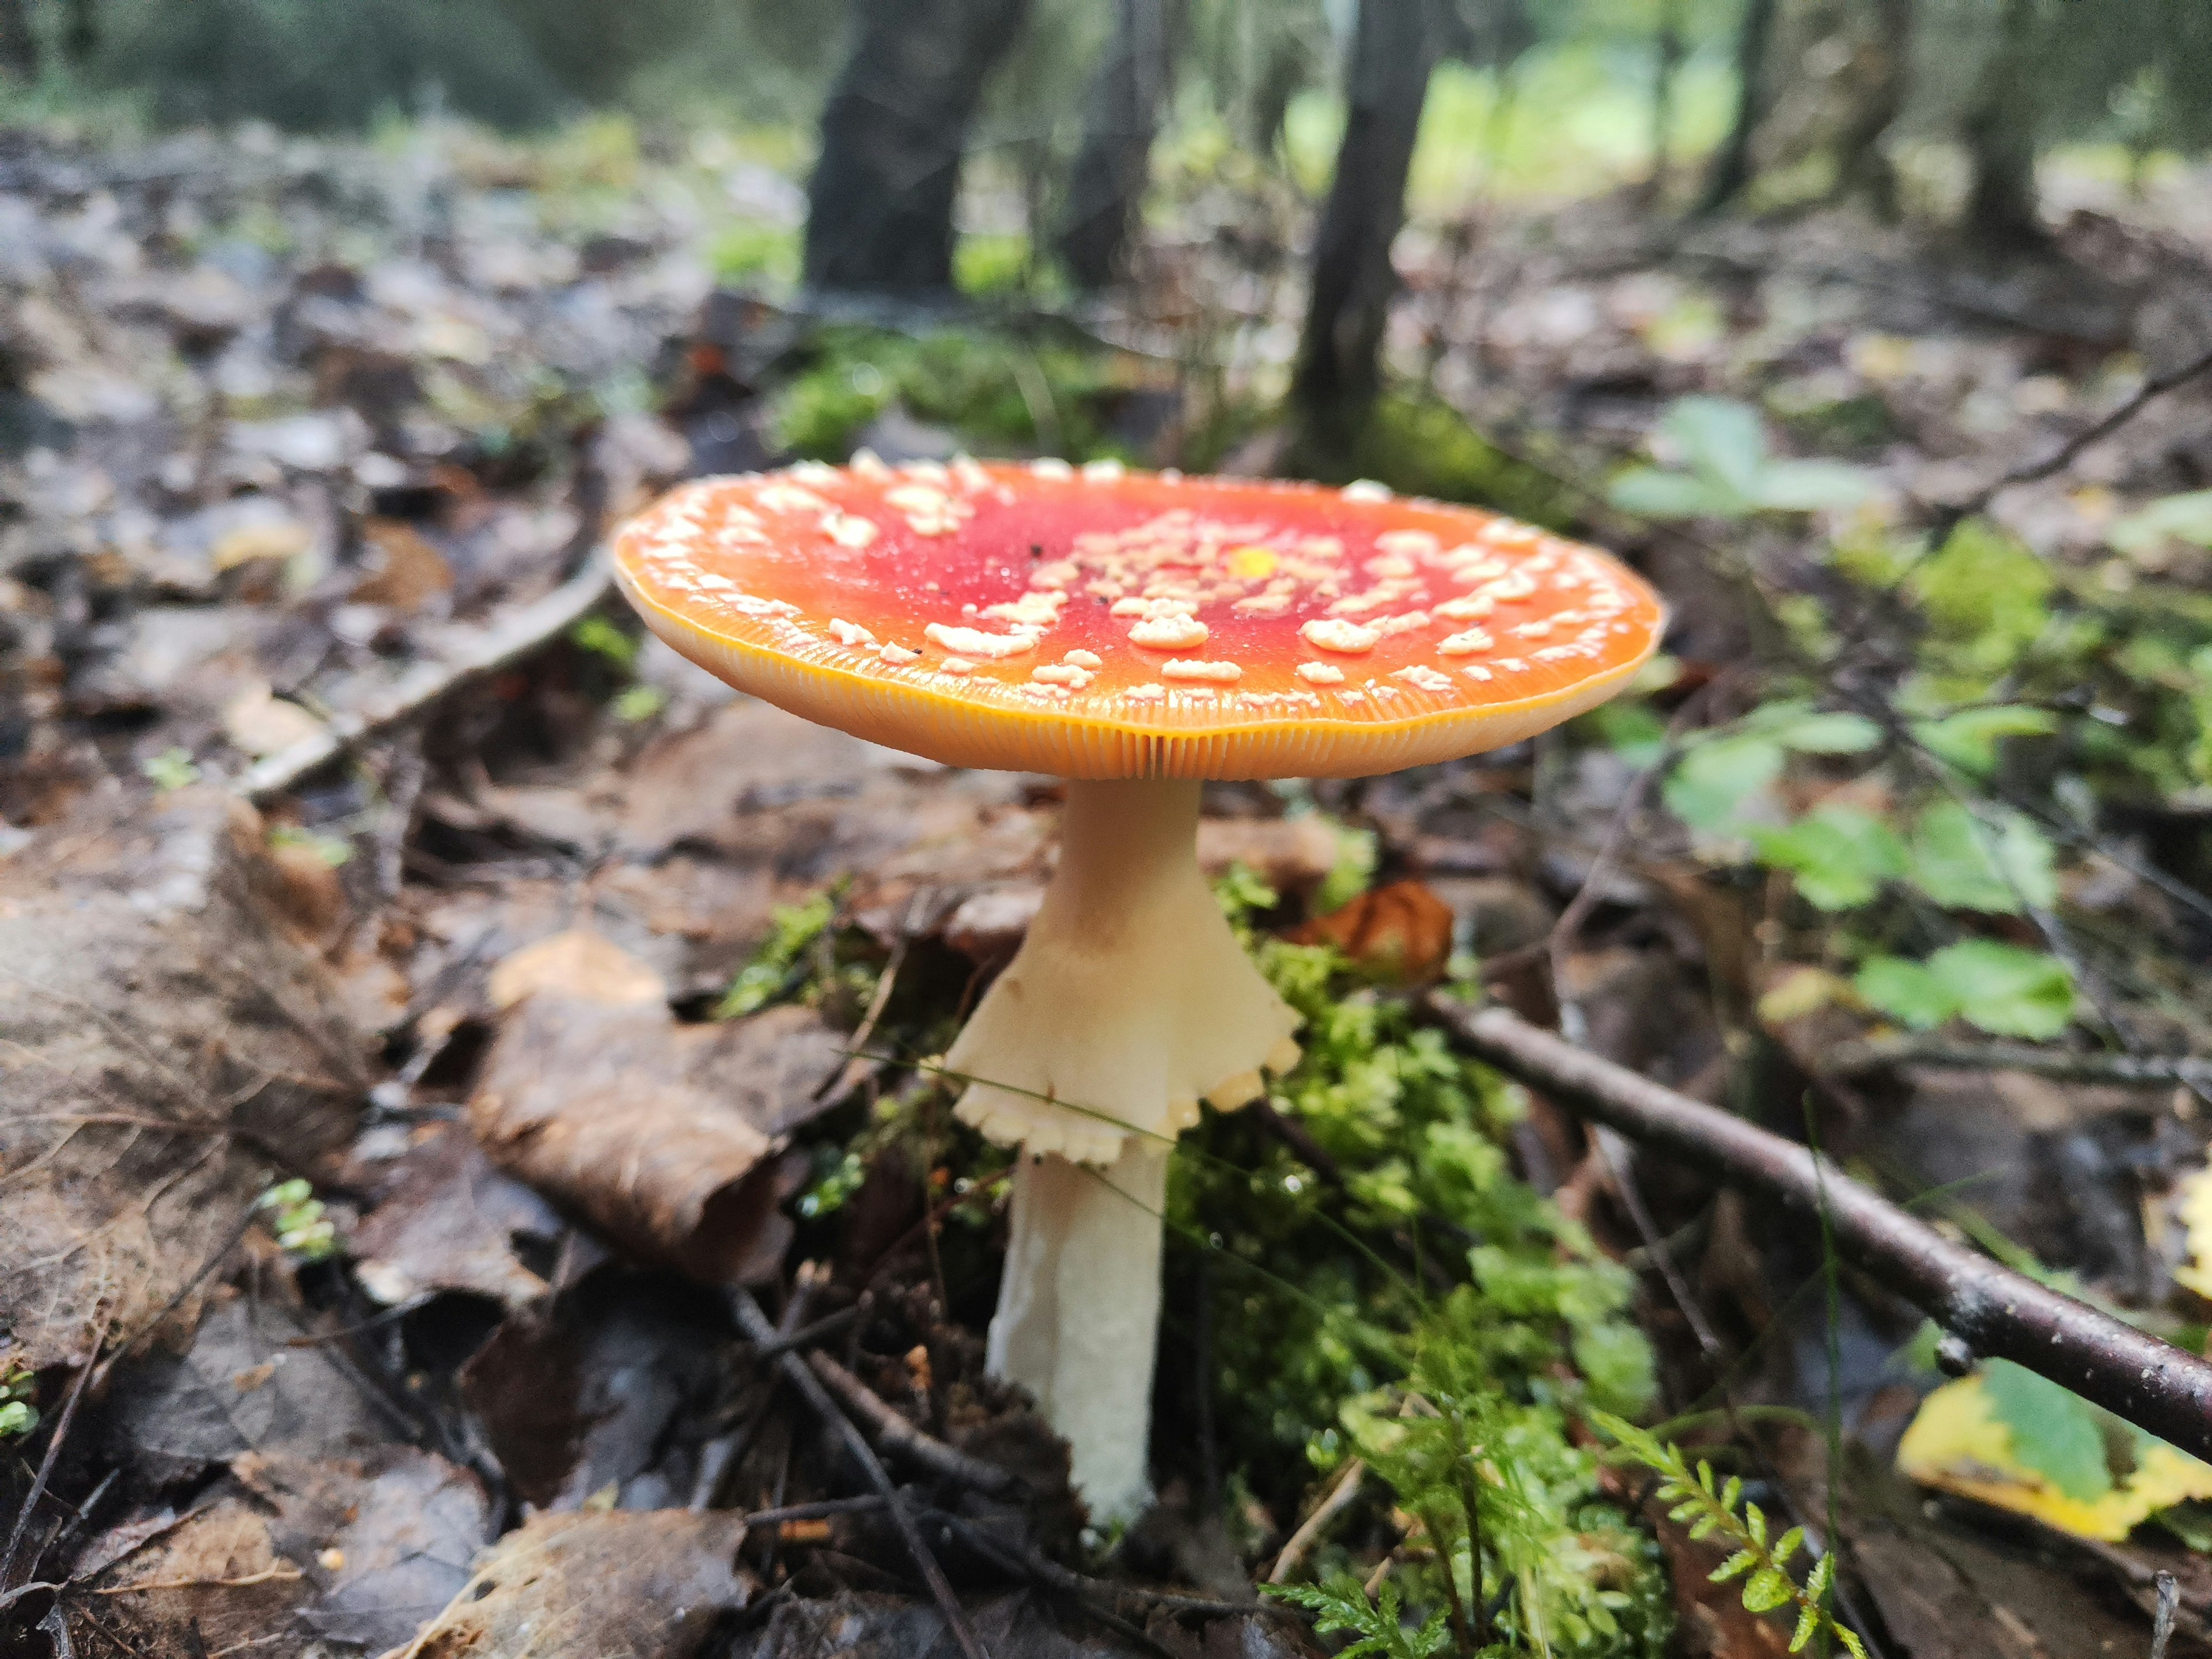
(167, 1048)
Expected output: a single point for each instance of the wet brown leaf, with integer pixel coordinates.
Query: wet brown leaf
(618, 1585)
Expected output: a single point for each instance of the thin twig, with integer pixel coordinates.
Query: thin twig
(1996, 1312)
(1337, 1500)
(502, 641)
(756, 1325)
(900, 1436)
(809, 1336)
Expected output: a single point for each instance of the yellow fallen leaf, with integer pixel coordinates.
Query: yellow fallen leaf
(2192, 1205)
(576, 963)
(1958, 1443)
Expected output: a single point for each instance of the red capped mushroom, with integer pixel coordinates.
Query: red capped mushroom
(1133, 633)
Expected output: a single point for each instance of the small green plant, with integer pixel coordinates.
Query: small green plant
(1712, 1511)
(18, 1416)
(173, 768)
(772, 971)
(302, 1228)
(602, 638)
(1728, 472)
(1999, 987)
(634, 704)
(1341, 1607)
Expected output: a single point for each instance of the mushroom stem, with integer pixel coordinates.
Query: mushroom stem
(1129, 1002)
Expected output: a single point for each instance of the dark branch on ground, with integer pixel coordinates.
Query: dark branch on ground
(1998, 1313)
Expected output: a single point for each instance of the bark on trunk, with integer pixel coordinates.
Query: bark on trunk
(879, 208)
(1999, 130)
(1339, 357)
(1732, 168)
(19, 42)
(1107, 186)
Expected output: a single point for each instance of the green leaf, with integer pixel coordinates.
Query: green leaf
(2054, 1431)
(1966, 865)
(1807, 1622)
(1715, 777)
(1735, 1566)
(1797, 726)
(1769, 1587)
(1968, 739)
(1809, 486)
(1906, 991)
(1788, 1546)
(2005, 990)
(1651, 493)
(1722, 438)
(2177, 518)
(1840, 856)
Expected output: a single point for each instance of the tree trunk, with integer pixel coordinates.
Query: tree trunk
(1999, 130)
(1107, 186)
(1339, 363)
(19, 41)
(82, 39)
(1732, 168)
(879, 207)
(1864, 168)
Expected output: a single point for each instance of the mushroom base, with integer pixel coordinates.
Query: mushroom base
(1129, 1002)
(1079, 1313)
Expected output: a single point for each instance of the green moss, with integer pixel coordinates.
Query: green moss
(1419, 444)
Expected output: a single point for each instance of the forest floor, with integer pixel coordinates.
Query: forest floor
(349, 835)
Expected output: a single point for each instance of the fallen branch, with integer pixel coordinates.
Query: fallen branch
(902, 1436)
(2062, 1065)
(503, 640)
(793, 1370)
(1996, 1312)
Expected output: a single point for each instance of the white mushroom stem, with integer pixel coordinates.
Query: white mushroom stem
(1129, 1002)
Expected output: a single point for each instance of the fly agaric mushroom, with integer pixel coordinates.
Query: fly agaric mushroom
(1133, 634)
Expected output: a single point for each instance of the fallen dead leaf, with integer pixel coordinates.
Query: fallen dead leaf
(1958, 1443)
(618, 1585)
(448, 1221)
(164, 1030)
(409, 572)
(577, 963)
(667, 1137)
(1401, 933)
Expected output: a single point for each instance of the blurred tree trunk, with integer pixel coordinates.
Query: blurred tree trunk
(1107, 186)
(1667, 48)
(1732, 168)
(1339, 364)
(82, 38)
(19, 41)
(1999, 130)
(879, 207)
(1864, 166)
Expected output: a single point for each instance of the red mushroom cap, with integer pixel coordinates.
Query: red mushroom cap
(1098, 623)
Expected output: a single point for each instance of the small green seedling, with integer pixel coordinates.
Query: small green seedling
(18, 1416)
(303, 1230)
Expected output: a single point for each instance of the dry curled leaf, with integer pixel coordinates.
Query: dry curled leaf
(1401, 933)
